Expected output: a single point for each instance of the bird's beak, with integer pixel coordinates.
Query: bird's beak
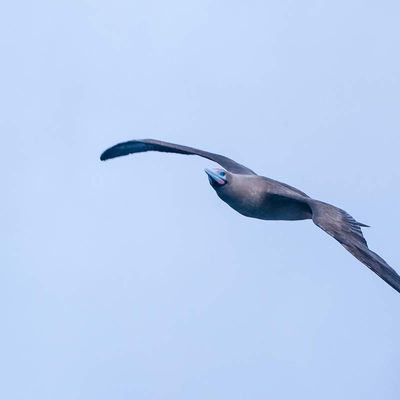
(213, 176)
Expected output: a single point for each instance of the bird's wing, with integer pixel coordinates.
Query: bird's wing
(139, 146)
(347, 231)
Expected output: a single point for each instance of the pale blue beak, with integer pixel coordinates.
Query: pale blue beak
(214, 176)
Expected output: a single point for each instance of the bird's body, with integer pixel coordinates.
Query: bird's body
(260, 197)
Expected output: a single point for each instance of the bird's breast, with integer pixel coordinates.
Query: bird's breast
(256, 201)
(245, 200)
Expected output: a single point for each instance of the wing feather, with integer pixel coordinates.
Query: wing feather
(347, 231)
(139, 146)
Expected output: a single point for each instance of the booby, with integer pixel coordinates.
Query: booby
(260, 197)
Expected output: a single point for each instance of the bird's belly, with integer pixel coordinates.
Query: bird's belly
(270, 208)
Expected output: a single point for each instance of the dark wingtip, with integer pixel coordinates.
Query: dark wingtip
(111, 152)
(129, 147)
(103, 156)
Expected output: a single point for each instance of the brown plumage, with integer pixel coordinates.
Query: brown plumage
(264, 198)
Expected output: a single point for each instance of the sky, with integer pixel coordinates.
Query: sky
(130, 279)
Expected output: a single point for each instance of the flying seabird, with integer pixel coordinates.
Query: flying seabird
(259, 197)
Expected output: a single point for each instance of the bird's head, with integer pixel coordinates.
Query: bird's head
(217, 177)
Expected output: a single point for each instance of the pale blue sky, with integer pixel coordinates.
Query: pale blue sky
(130, 279)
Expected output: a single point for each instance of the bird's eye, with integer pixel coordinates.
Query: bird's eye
(222, 173)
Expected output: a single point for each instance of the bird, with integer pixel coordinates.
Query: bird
(257, 196)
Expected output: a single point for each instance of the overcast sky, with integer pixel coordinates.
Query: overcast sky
(130, 279)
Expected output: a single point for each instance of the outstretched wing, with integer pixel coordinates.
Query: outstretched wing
(139, 146)
(347, 231)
